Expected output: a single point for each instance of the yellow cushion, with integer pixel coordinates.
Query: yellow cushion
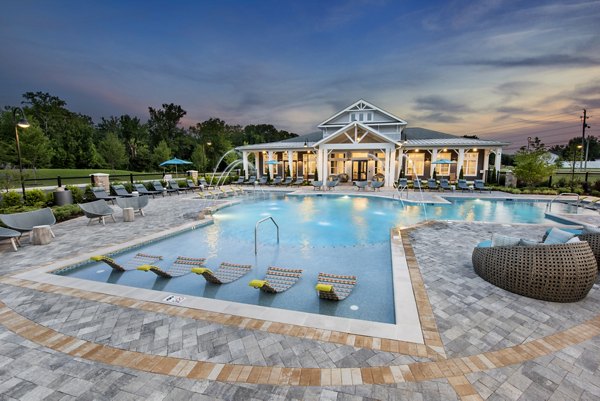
(99, 258)
(201, 270)
(324, 287)
(257, 283)
(144, 268)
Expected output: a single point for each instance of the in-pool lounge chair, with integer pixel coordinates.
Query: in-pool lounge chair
(12, 235)
(158, 187)
(100, 193)
(182, 265)
(137, 203)
(226, 273)
(480, 186)
(25, 221)
(141, 189)
(121, 191)
(277, 279)
(132, 264)
(97, 210)
(334, 287)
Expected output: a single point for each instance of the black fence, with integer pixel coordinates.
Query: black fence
(78, 180)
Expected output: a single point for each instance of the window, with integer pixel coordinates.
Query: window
(310, 163)
(336, 167)
(353, 116)
(443, 169)
(369, 116)
(470, 163)
(415, 164)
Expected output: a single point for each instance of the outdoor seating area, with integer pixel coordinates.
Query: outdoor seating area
(97, 210)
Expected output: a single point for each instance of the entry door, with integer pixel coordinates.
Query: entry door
(359, 170)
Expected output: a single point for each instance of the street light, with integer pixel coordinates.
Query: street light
(21, 123)
(573, 166)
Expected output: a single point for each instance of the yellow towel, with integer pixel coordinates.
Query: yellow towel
(257, 283)
(324, 287)
(201, 270)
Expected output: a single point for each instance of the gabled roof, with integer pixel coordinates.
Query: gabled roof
(296, 142)
(424, 133)
(358, 125)
(361, 105)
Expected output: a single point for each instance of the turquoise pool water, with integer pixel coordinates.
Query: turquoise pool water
(332, 234)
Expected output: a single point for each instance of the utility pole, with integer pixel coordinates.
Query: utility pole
(584, 125)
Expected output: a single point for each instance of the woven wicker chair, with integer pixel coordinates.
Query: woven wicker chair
(557, 273)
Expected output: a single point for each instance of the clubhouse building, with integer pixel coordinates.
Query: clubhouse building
(363, 142)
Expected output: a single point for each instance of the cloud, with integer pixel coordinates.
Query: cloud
(548, 60)
(440, 118)
(440, 104)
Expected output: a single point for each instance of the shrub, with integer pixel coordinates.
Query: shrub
(88, 195)
(11, 199)
(36, 197)
(66, 212)
(76, 192)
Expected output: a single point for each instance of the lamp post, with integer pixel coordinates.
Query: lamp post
(573, 166)
(21, 123)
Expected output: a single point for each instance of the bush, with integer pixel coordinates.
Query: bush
(66, 212)
(36, 197)
(76, 192)
(11, 199)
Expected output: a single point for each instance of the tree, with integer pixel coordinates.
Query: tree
(35, 147)
(161, 153)
(199, 158)
(163, 123)
(533, 166)
(113, 151)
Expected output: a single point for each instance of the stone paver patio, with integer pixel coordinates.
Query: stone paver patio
(62, 344)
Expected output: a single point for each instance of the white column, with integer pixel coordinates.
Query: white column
(319, 163)
(498, 160)
(270, 157)
(290, 164)
(460, 162)
(386, 166)
(486, 163)
(392, 167)
(400, 154)
(257, 164)
(434, 156)
(325, 169)
(245, 163)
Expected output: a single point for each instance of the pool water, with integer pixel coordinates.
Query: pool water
(332, 234)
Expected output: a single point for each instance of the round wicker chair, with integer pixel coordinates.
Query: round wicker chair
(557, 273)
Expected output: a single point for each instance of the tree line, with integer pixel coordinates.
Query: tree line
(61, 138)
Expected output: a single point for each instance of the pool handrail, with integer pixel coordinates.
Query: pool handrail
(549, 205)
(256, 231)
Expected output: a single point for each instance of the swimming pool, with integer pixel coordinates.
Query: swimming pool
(332, 234)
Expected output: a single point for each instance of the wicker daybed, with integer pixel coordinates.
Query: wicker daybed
(557, 273)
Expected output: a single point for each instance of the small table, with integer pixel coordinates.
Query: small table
(41, 235)
(128, 214)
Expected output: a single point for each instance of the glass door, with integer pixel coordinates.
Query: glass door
(359, 170)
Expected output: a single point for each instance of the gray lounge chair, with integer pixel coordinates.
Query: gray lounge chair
(97, 210)
(191, 185)
(174, 185)
(205, 184)
(445, 184)
(462, 185)
(432, 184)
(417, 186)
(25, 221)
(262, 180)
(121, 191)
(376, 185)
(317, 185)
(142, 190)
(251, 180)
(239, 181)
(137, 203)
(299, 181)
(331, 184)
(480, 186)
(100, 193)
(12, 235)
(287, 181)
(402, 183)
(158, 187)
(276, 180)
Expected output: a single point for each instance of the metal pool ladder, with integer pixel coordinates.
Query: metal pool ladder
(549, 205)
(256, 231)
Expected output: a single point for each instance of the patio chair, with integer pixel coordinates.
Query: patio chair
(97, 210)
(480, 186)
(432, 184)
(191, 186)
(204, 184)
(276, 180)
(12, 235)
(251, 180)
(158, 187)
(137, 203)
(299, 181)
(239, 181)
(463, 186)
(131, 264)
(174, 185)
(141, 189)
(226, 273)
(121, 191)
(262, 180)
(100, 193)
(445, 184)
(277, 279)
(25, 221)
(288, 181)
(332, 184)
(361, 185)
(317, 185)
(180, 267)
(417, 186)
(334, 287)
(550, 272)
(402, 183)
(376, 185)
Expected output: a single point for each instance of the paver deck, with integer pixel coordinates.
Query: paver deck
(58, 343)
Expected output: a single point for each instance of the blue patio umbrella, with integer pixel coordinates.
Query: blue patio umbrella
(444, 161)
(174, 162)
(272, 162)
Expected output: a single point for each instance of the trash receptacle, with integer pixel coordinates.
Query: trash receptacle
(63, 197)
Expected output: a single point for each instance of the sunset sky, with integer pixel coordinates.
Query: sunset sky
(498, 69)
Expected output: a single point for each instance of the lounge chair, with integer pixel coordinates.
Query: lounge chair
(174, 185)
(417, 186)
(463, 186)
(277, 279)
(287, 181)
(141, 189)
(480, 186)
(12, 235)
(132, 264)
(376, 185)
(332, 184)
(276, 180)
(191, 186)
(204, 184)
(100, 193)
(180, 267)
(97, 210)
(262, 180)
(158, 187)
(445, 184)
(432, 184)
(251, 180)
(317, 185)
(361, 185)
(334, 287)
(239, 181)
(226, 273)
(402, 183)
(121, 191)
(137, 203)
(299, 181)
(25, 221)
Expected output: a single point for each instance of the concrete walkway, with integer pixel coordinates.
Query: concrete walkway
(60, 344)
